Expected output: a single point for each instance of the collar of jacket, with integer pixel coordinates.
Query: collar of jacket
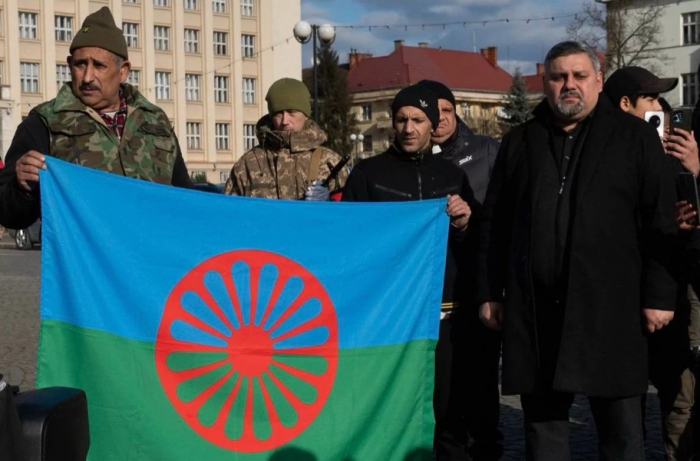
(309, 138)
(413, 157)
(67, 101)
(462, 132)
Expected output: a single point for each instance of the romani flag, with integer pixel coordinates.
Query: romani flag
(210, 327)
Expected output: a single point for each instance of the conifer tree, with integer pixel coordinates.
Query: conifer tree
(517, 107)
(334, 102)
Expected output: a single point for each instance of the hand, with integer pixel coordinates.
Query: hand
(682, 145)
(27, 169)
(459, 211)
(684, 211)
(491, 314)
(656, 319)
(317, 192)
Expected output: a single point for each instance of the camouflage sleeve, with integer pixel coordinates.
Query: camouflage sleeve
(237, 182)
(328, 161)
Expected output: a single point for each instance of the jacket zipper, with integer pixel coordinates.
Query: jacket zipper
(420, 180)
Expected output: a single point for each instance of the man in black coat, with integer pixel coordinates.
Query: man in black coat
(575, 253)
(467, 400)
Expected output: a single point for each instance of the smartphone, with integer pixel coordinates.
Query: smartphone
(656, 119)
(688, 191)
(683, 119)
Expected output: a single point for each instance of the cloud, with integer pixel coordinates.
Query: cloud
(417, 21)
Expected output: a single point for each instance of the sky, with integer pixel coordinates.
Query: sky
(446, 23)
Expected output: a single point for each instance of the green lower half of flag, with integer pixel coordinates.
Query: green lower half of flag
(379, 406)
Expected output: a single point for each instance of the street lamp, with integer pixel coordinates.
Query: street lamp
(303, 32)
(356, 141)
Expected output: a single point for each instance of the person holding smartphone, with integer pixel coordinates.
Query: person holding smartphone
(636, 91)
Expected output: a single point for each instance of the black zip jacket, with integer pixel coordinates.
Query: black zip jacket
(395, 176)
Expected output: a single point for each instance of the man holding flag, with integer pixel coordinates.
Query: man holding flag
(98, 121)
(409, 171)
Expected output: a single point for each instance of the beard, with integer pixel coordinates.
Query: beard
(569, 109)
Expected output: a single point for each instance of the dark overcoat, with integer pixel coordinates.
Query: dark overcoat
(621, 252)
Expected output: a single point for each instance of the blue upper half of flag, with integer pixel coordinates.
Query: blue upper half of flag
(115, 249)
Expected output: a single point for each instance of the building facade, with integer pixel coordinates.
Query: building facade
(679, 46)
(207, 63)
(478, 84)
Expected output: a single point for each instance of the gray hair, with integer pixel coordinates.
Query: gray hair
(569, 48)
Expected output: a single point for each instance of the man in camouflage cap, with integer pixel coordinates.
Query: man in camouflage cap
(289, 162)
(97, 121)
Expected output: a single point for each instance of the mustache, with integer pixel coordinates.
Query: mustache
(571, 93)
(89, 86)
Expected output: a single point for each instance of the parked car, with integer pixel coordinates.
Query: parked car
(25, 239)
(209, 187)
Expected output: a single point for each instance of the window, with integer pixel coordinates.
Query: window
(220, 88)
(2, 68)
(249, 139)
(27, 25)
(221, 136)
(163, 85)
(161, 37)
(29, 77)
(220, 43)
(160, 3)
(131, 34)
(194, 135)
(690, 89)
(367, 144)
(192, 87)
(246, 7)
(248, 45)
(367, 112)
(191, 4)
(248, 91)
(223, 176)
(134, 78)
(691, 28)
(129, 1)
(64, 28)
(191, 41)
(62, 75)
(219, 6)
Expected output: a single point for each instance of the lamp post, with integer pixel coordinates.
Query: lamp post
(356, 141)
(303, 32)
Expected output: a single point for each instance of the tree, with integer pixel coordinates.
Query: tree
(334, 103)
(629, 34)
(516, 107)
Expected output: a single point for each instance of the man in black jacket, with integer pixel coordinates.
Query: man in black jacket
(409, 171)
(467, 356)
(575, 259)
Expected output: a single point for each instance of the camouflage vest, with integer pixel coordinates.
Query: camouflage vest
(147, 149)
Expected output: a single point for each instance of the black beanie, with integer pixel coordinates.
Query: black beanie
(440, 90)
(420, 97)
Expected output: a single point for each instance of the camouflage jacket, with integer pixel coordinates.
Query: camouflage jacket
(280, 165)
(147, 150)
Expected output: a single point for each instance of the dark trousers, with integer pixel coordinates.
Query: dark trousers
(466, 399)
(618, 422)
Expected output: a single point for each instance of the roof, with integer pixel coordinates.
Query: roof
(406, 65)
(534, 83)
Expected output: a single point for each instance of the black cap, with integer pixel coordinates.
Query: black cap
(440, 90)
(633, 81)
(420, 97)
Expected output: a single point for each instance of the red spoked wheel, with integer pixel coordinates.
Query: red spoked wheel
(247, 349)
